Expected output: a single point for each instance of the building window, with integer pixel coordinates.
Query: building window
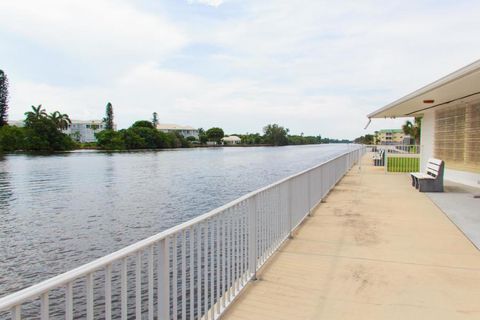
(457, 136)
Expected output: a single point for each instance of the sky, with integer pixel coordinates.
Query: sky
(315, 67)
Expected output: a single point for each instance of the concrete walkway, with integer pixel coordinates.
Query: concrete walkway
(377, 249)
(460, 205)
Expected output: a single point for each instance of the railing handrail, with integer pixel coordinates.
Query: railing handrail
(391, 145)
(38, 289)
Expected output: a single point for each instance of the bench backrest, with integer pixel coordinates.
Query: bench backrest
(435, 167)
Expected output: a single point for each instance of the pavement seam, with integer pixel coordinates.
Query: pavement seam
(378, 260)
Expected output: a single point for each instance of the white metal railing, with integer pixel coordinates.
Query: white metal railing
(396, 158)
(191, 271)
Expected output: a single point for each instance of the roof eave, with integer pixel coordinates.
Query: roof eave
(442, 82)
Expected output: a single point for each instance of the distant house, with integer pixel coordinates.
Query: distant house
(232, 140)
(186, 131)
(84, 130)
(389, 136)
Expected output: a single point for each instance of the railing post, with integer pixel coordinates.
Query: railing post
(252, 237)
(16, 313)
(163, 281)
(69, 301)
(123, 289)
(309, 190)
(89, 289)
(44, 307)
(290, 208)
(385, 163)
(108, 294)
(359, 155)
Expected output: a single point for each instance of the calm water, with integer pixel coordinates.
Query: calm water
(60, 211)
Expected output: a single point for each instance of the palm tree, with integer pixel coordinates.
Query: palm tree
(413, 129)
(36, 113)
(60, 120)
(64, 121)
(55, 117)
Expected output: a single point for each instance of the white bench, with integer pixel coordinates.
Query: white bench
(379, 158)
(432, 179)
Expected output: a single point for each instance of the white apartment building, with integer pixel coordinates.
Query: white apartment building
(186, 131)
(84, 130)
(79, 130)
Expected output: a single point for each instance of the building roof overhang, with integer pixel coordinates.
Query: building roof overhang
(463, 84)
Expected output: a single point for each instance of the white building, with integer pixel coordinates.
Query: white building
(84, 130)
(232, 140)
(450, 111)
(79, 130)
(186, 131)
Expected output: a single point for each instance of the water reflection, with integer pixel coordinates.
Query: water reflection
(63, 210)
(6, 192)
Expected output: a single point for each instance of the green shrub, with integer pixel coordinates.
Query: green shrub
(403, 164)
(142, 124)
(11, 138)
(110, 140)
(42, 134)
(139, 137)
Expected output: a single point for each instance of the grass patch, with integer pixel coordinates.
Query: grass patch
(403, 164)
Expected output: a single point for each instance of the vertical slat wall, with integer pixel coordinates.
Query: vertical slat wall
(457, 136)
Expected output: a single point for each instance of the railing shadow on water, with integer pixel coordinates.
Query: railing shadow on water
(192, 271)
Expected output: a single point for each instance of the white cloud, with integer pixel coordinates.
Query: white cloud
(212, 3)
(236, 105)
(104, 29)
(312, 66)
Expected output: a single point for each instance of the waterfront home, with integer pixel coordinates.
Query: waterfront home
(450, 111)
(84, 130)
(232, 140)
(186, 131)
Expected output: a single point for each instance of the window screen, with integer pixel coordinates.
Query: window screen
(457, 136)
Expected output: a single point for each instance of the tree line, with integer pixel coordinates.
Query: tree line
(43, 132)
(140, 135)
(276, 135)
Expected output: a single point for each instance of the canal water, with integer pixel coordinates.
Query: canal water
(60, 211)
